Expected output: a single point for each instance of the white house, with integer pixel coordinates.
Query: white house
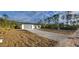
(30, 26)
(69, 17)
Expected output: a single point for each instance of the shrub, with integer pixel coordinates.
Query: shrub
(61, 26)
(49, 26)
(9, 24)
(68, 27)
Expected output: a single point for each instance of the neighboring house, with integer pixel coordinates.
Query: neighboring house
(30, 26)
(69, 17)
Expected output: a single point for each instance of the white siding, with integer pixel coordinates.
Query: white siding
(33, 26)
(26, 26)
(22, 26)
(30, 26)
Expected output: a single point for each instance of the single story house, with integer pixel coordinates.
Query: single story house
(30, 26)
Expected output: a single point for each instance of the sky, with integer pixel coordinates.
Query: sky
(28, 16)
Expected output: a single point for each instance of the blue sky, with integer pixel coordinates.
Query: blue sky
(27, 16)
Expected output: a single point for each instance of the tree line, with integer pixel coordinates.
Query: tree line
(53, 21)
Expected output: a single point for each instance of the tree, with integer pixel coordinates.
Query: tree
(40, 21)
(68, 17)
(77, 18)
(56, 20)
(5, 16)
(71, 17)
(49, 20)
(6, 23)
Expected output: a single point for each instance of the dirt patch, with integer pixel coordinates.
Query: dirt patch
(66, 32)
(69, 43)
(21, 38)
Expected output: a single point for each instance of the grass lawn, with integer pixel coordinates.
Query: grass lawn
(21, 38)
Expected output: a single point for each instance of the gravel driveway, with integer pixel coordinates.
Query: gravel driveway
(49, 35)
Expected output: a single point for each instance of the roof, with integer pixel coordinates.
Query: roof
(30, 23)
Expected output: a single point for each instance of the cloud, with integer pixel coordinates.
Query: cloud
(31, 16)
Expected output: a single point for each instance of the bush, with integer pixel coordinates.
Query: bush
(49, 26)
(61, 26)
(67, 27)
(9, 24)
(17, 27)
